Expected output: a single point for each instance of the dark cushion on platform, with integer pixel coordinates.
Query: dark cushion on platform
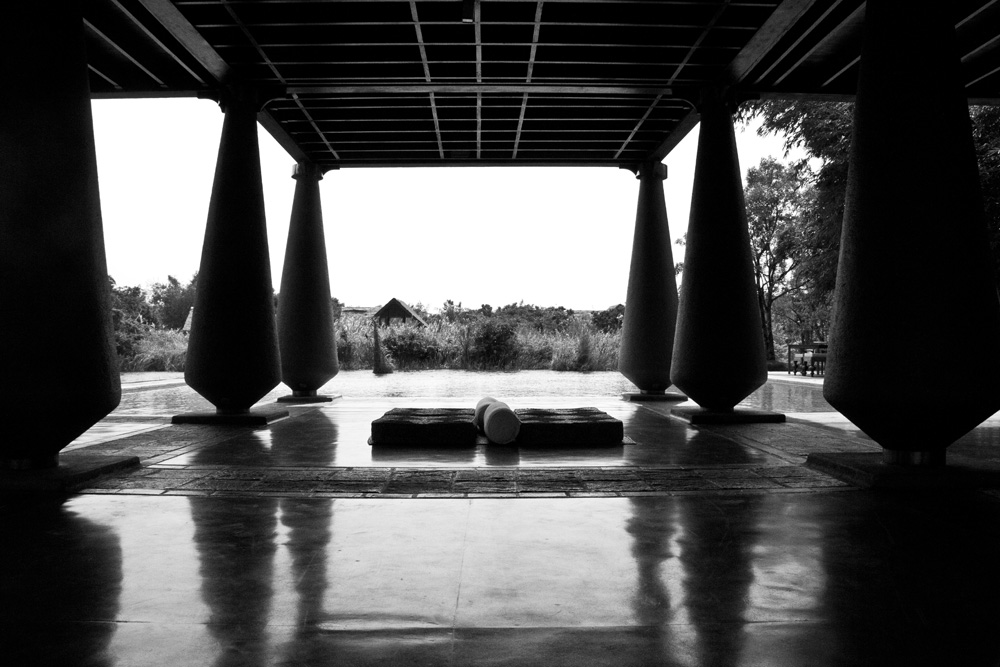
(425, 426)
(568, 426)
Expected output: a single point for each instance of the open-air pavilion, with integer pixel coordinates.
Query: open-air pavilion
(760, 572)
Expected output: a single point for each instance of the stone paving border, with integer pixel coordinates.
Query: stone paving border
(791, 443)
(460, 483)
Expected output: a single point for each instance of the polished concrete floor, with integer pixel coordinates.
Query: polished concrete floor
(299, 544)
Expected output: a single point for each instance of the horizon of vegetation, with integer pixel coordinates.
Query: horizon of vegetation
(794, 212)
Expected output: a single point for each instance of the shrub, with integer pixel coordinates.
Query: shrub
(535, 348)
(583, 349)
(354, 342)
(130, 329)
(158, 350)
(610, 319)
(493, 345)
(604, 350)
(412, 346)
(454, 343)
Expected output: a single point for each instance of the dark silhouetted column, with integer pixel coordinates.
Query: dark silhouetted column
(915, 277)
(232, 357)
(651, 303)
(719, 354)
(306, 336)
(57, 352)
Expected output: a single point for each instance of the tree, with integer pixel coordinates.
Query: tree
(172, 301)
(451, 311)
(610, 319)
(776, 197)
(132, 317)
(548, 318)
(986, 134)
(823, 130)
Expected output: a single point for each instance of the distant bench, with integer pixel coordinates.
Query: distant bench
(807, 359)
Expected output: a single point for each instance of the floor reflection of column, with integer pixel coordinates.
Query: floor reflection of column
(309, 522)
(652, 527)
(308, 440)
(716, 551)
(61, 578)
(235, 540)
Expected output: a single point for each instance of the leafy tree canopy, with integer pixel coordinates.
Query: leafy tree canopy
(609, 320)
(823, 130)
(172, 301)
(777, 198)
(986, 134)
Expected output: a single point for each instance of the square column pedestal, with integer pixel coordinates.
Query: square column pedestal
(695, 415)
(262, 416)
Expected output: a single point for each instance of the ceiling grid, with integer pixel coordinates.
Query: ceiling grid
(374, 83)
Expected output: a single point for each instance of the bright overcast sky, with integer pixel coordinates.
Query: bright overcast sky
(547, 236)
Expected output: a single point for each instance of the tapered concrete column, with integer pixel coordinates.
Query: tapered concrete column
(651, 302)
(914, 352)
(719, 354)
(232, 357)
(57, 354)
(306, 335)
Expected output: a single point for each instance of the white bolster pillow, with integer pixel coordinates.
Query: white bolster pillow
(501, 424)
(481, 410)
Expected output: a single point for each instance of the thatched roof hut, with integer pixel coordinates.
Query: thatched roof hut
(395, 309)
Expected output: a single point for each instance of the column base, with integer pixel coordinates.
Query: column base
(653, 396)
(699, 415)
(869, 470)
(314, 398)
(74, 470)
(263, 416)
(927, 459)
(30, 462)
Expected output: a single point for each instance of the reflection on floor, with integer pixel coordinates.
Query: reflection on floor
(298, 544)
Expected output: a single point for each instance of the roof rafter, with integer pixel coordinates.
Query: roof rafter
(427, 75)
(125, 54)
(156, 40)
(477, 20)
(642, 120)
(800, 39)
(531, 66)
(472, 89)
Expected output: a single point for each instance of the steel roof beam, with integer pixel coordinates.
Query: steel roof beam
(474, 88)
(427, 75)
(123, 53)
(177, 25)
(531, 66)
(156, 40)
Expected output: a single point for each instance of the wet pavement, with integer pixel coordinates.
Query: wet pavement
(300, 544)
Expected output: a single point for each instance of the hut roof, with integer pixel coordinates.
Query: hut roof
(395, 308)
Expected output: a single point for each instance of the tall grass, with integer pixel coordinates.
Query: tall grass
(581, 348)
(355, 345)
(157, 350)
(488, 344)
(482, 344)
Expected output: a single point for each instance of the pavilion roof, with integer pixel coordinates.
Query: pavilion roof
(495, 82)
